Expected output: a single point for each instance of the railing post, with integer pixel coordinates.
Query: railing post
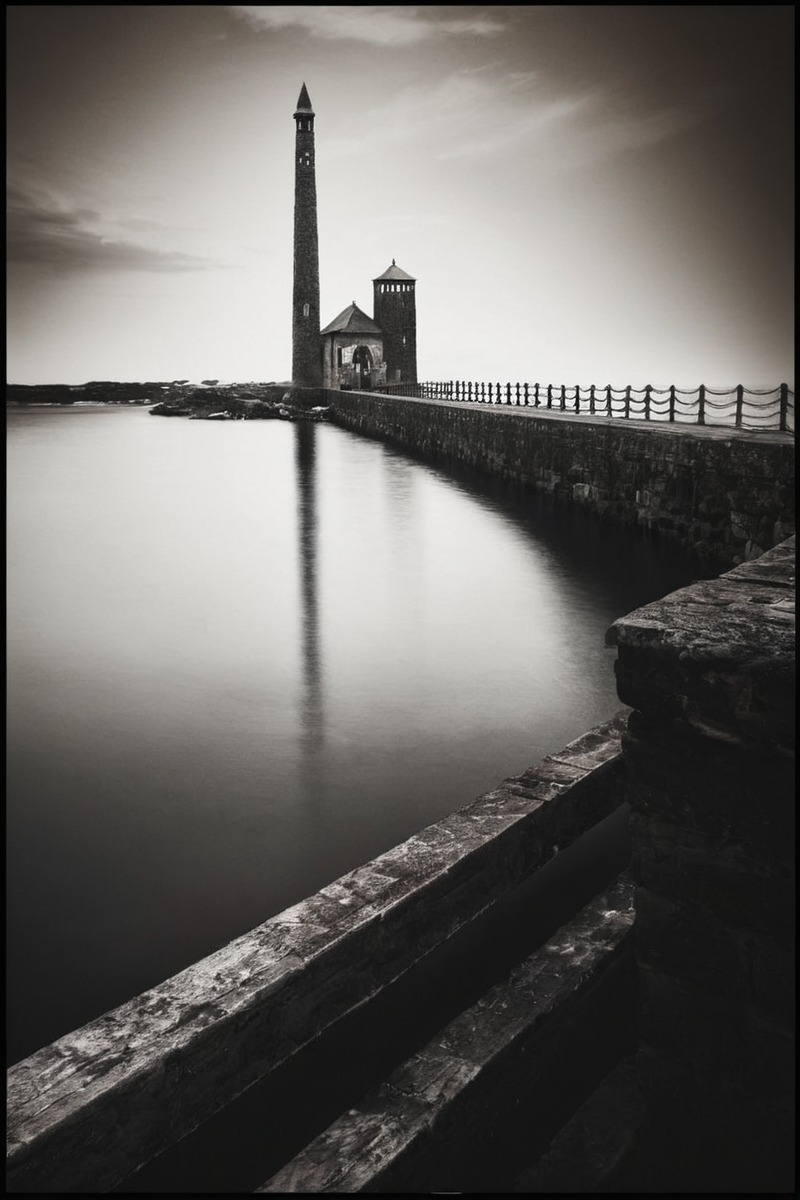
(508, 393)
(628, 401)
(608, 400)
(525, 393)
(701, 404)
(518, 400)
(536, 400)
(549, 395)
(739, 406)
(647, 390)
(672, 402)
(784, 418)
(577, 397)
(499, 395)
(591, 399)
(563, 397)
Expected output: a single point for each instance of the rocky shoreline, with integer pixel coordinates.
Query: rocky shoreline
(210, 401)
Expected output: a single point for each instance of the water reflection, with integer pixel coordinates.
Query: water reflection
(312, 719)
(183, 763)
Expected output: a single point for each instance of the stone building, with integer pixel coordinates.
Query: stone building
(362, 352)
(354, 350)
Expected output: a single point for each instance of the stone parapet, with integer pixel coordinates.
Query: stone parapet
(709, 752)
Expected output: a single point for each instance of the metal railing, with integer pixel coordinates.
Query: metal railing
(738, 407)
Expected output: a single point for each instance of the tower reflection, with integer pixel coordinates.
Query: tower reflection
(311, 707)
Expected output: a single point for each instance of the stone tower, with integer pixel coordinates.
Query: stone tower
(395, 310)
(306, 345)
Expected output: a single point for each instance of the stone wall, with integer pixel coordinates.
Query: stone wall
(725, 495)
(710, 674)
(346, 374)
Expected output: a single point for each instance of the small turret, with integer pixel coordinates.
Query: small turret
(395, 310)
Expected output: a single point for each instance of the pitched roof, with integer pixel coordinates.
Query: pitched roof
(352, 320)
(303, 101)
(394, 272)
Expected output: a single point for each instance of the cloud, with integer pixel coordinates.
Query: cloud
(41, 231)
(468, 116)
(378, 25)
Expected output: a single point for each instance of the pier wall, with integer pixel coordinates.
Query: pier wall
(722, 494)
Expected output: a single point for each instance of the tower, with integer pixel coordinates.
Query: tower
(306, 345)
(395, 310)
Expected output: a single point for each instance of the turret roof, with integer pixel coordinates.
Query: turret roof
(303, 101)
(352, 320)
(394, 272)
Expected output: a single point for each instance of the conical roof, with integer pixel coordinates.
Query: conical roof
(394, 272)
(352, 320)
(303, 102)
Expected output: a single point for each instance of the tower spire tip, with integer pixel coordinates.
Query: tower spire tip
(304, 101)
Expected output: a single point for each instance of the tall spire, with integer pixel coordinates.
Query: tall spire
(306, 343)
(303, 102)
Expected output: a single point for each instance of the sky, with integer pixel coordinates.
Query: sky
(585, 194)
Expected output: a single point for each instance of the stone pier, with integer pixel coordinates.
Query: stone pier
(724, 494)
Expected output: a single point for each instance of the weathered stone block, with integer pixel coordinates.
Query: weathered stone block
(693, 946)
(726, 877)
(713, 1041)
(710, 787)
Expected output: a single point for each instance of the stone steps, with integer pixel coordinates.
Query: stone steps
(487, 1094)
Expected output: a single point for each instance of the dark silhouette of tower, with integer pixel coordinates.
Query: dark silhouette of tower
(306, 344)
(395, 310)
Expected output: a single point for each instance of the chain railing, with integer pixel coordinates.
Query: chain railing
(738, 407)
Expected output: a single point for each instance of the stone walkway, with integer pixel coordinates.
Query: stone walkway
(719, 433)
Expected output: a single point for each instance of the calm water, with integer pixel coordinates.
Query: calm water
(245, 657)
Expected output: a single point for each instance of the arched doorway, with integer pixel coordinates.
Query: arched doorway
(362, 362)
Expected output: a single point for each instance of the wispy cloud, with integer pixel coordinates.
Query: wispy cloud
(378, 25)
(469, 116)
(70, 238)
